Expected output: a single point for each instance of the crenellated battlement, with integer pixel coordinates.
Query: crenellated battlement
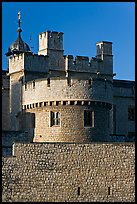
(83, 64)
(35, 62)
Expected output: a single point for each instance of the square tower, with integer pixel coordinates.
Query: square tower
(50, 41)
(104, 52)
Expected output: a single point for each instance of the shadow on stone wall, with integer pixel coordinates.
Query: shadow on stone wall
(10, 137)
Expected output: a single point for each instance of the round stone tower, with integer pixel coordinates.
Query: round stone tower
(73, 103)
(56, 97)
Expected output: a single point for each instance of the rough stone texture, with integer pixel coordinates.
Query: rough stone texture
(71, 127)
(72, 118)
(59, 90)
(16, 99)
(52, 172)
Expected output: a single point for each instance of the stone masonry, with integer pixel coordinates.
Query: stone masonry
(70, 172)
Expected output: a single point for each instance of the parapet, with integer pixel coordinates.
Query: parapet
(81, 63)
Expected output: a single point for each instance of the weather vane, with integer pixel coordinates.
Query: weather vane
(19, 15)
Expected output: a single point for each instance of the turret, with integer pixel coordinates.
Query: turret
(51, 44)
(19, 46)
(104, 52)
(16, 72)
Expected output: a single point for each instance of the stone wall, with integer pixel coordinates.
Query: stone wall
(71, 127)
(15, 98)
(98, 90)
(50, 172)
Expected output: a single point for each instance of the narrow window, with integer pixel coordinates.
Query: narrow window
(108, 190)
(78, 190)
(55, 119)
(48, 82)
(88, 118)
(68, 81)
(89, 82)
(33, 84)
(131, 113)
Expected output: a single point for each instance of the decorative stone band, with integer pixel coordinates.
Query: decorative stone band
(66, 103)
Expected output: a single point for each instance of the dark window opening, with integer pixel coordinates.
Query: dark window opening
(86, 103)
(64, 103)
(58, 103)
(55, 118)
(79, 103)
(78, 190)
(71, 102)
(48, 82)
(108, 190)
(33, 84)
(89, 82)
(88, 118)
(69, 82)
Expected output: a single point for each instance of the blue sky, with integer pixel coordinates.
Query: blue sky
(83, 24)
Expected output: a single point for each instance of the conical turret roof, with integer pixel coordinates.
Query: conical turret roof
(19, 46)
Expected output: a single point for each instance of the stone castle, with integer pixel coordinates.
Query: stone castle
(54, 106)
